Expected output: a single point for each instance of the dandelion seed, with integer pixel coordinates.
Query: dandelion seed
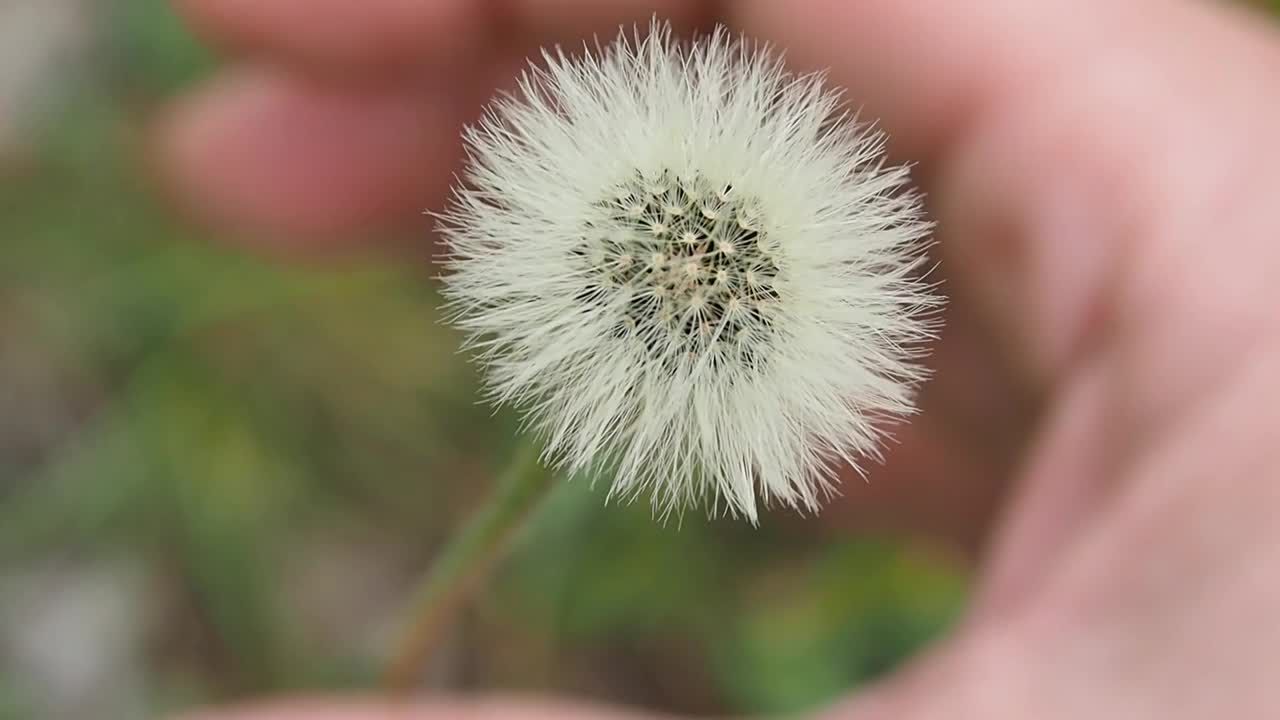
(691, 270)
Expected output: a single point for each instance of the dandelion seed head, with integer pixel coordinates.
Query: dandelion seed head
(690, 270)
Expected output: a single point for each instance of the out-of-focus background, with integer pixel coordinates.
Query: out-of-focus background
(219, 475)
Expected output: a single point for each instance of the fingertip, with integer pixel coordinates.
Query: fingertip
(343, 36)
(318, 709)
(300, 166)
(564, 20)
(456, 709)
(922, 70)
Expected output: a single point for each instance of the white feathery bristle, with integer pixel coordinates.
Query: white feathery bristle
(691, 270)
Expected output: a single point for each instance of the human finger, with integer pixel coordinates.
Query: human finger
(341, 37)
(303, 165)
(368, 709)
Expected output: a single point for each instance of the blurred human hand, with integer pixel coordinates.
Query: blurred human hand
(1105, 183)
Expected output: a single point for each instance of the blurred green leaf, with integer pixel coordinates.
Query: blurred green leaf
(157, 53)
(15, 704)
(221, 496)
(808, 633)
(600, 570)
(87, 492)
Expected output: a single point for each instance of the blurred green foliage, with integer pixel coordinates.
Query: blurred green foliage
(283, 448)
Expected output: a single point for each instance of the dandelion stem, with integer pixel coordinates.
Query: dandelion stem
(461, 568)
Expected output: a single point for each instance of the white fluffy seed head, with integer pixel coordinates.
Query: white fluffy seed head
(690, 270)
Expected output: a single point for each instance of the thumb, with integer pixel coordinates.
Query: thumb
(319, 708)
(978, 674)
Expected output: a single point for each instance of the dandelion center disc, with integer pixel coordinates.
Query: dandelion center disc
(683, 265)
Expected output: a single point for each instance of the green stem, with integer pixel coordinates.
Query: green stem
(460, 569)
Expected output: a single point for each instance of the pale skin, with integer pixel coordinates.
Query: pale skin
(1106, 180)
